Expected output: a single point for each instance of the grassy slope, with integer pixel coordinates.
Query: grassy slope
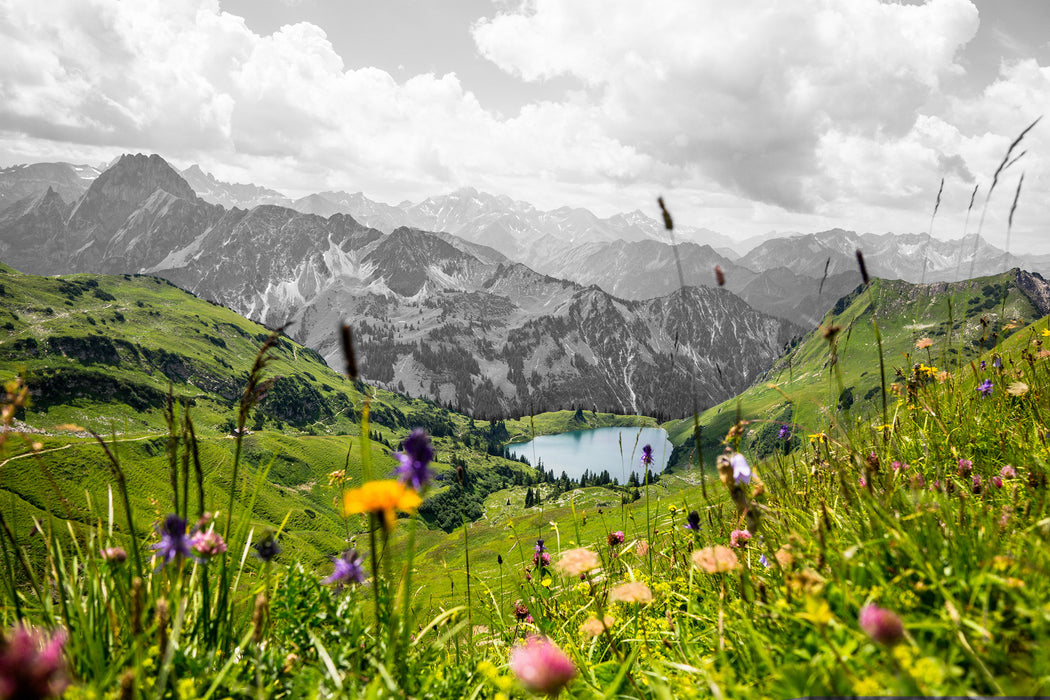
(803, 388)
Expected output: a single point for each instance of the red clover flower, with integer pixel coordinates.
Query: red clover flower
(883, 626)
(31, 666)
(541, 666)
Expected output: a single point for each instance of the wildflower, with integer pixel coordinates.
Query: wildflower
(784, 557)
(739, 538)
(577, 561)
(976, 488)
(983, 365)
(520, 611)
(1008, 472)
(923, 343)
(784, 433)
(716, 559)
(647, 455)
(347, 569)
(541, 666)
(862, 481)
(997, 362)
(114, 555)
(692, 521)
(615, 538)
(741, 469)
(267, 548)
(965, 467)
(631, 592)
(529, 620)
(918, 481)
(173, 541)
(818, 437)
(641, 548)
(540, 547)
(985, 389)
(543, 559)
(672, 508)
(883, 626)
(383, 498)
(898, 466)
(499, 559)
(32, 666)
(764, 561)
(593, 627)
(415, 456)
(1017, 389)
(997, 482)
(207, 544)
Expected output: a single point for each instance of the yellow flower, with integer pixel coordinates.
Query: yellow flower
(1046, 332)
(818, 437)
(384, 498)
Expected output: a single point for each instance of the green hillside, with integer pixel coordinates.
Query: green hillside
(99, 353)
(819, 387)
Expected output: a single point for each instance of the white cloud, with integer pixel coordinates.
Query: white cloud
(746, 90)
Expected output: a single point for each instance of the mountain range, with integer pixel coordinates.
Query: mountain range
(433, 314)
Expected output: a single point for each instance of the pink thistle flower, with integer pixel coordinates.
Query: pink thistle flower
(965, 467)
(615, 538)
(114, 555)
(883, 626)
(739, 538)
(207, 544)
(32, 666)
(541, 666)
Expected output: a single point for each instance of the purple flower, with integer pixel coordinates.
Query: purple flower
(173, 540)
(520, 611)
(693, 521)
(647, 455)
(763, 561)
(784, 433)
(32, 666)
(997, 482)
(997, 362)
(541, 666)
(884, 626)
(539, 547)
(983, 365)
(267, 548)
(347, 569)
(1008, 472)
(985, 389)
(207, 544)
(741, 469)
(976, 483)
(615, 538)
(965, 467)
(415, 456)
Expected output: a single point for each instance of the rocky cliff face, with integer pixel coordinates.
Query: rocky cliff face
(433, 314)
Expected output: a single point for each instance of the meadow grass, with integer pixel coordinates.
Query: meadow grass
(939, 519)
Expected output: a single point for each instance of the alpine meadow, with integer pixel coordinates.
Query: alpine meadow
(300, 442)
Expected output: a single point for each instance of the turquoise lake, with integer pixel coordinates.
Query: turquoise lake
(597, 450)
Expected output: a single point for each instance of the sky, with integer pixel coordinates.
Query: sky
(746, 116)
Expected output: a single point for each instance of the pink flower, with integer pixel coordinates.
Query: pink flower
(739, 538)
(207, 544)
(114, 555)
(883, 626)
(615, 538)
(997, 482)
(965, 467)
(1008, 472)
(541, 666)
(31, 666)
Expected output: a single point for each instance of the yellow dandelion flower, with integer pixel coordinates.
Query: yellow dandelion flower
(818, 437)
(1046, 332)
(384, 498)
